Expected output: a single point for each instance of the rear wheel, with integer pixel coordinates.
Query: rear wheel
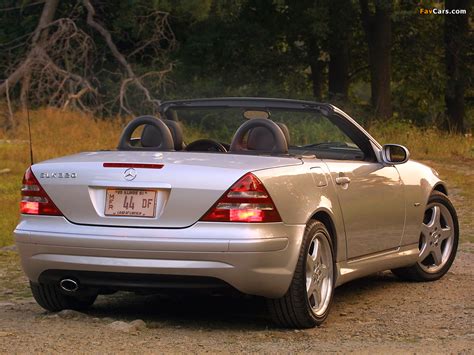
(51, 298)
(307, 301)
(438, 241)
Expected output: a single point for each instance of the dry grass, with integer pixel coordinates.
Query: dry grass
(424, 144)
(56, 133)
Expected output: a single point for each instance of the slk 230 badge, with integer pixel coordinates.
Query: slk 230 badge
(58, 175)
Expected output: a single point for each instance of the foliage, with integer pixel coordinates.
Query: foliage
(418, 75)
(252, 48)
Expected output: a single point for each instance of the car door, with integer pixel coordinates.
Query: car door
(370, 193)
(372, 203)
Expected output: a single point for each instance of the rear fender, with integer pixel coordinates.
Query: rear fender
(300, 197)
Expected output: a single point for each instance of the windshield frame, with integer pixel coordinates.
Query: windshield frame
(249, 103)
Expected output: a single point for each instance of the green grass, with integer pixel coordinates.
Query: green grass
(57, 133)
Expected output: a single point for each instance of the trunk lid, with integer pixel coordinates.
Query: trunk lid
(186, 186)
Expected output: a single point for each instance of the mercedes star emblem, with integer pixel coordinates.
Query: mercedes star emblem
(130, 174)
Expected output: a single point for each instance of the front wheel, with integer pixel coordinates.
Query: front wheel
(438, 241)
(307, 301)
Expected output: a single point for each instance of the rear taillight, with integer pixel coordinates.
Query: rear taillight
(246, 201)
(34, 200)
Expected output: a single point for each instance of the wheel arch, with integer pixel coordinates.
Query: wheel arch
(441, 187)
(324, 217)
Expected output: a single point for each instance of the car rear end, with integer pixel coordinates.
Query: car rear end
(107, 221)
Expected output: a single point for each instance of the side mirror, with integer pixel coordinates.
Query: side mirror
(395, 154)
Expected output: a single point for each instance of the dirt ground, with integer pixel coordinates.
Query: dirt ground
(377, 314)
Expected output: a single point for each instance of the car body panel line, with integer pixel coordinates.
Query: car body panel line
(142, 264)
(175, 244)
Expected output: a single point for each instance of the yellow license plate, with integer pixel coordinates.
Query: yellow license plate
(130, 203)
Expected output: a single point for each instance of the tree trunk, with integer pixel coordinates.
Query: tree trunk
(317, 70)
(378, 30)
(340, 26)
(456, 31)
(47, 16)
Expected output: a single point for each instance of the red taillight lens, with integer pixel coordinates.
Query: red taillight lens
(34, 200)
(246, 201)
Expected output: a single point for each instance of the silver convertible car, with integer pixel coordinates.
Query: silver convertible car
(283, 199)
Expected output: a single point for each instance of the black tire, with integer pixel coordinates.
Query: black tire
(52, 299)
(415, 272)
(293, 310)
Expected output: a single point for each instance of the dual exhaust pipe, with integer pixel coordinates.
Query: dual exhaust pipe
(69, 285)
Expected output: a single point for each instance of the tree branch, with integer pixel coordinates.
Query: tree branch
(46, 17)
(58, 66)
(132, 77)
(21, 7)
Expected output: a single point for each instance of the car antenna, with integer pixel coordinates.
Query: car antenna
(29, 130)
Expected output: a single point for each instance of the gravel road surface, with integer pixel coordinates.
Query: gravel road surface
(376, 314)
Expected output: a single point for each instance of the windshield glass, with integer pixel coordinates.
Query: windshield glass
(309, 131)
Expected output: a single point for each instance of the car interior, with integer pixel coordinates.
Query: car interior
(258, 135)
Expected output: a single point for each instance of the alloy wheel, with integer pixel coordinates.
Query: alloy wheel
(319, 274)
(437, 238)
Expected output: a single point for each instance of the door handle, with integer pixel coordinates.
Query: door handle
(342, 180)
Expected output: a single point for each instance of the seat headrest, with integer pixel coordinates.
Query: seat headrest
(151, 136)
(261, 138)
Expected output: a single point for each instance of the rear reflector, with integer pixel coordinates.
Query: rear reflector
(246, 201)
(133, 165)
(34, 200)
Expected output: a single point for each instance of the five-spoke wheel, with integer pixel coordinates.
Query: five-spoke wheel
(438, 241)
(319, 274)
(308, 299)
(437, 237)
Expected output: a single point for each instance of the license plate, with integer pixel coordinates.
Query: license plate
(131, 203)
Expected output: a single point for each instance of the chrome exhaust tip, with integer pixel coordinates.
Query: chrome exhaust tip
(69, 285)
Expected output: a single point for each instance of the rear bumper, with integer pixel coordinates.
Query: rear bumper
(256, 259)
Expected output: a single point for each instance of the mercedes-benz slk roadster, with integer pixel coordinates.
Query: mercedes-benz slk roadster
(283, 199)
